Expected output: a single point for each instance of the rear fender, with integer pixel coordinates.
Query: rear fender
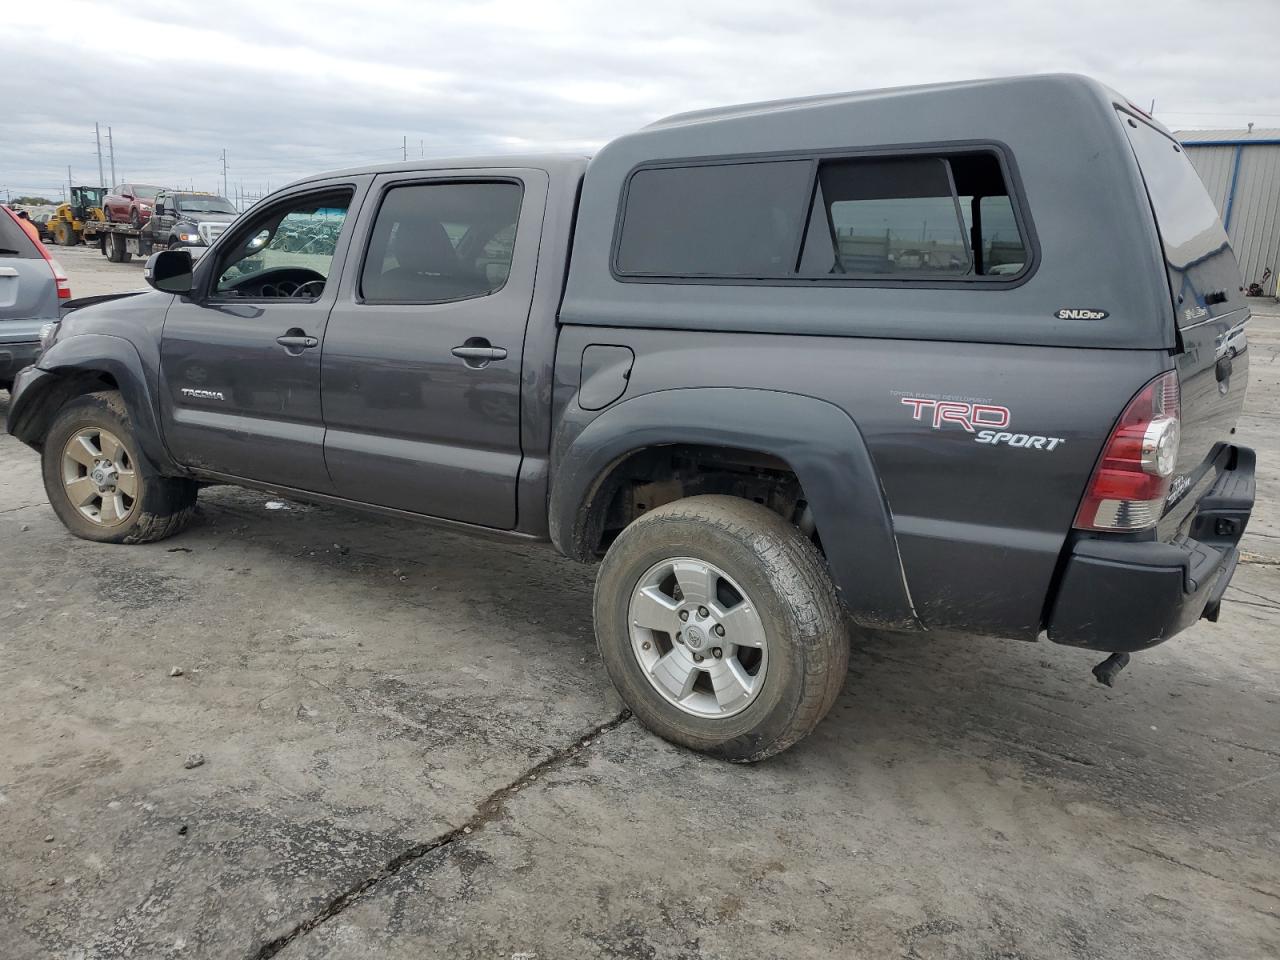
(820, 443)
(69, 368)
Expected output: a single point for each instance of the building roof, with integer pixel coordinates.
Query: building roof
(1229, 137)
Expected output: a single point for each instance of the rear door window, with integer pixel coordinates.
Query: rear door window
(440, 242)
(1204, 275)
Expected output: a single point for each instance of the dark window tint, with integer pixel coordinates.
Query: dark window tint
(1203, 271)
(718, 220)
(883, 217)
(14, 241)
(437, 242)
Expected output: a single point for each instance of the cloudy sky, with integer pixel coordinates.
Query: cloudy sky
(289, 88)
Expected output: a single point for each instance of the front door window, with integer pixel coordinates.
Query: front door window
(286, 252)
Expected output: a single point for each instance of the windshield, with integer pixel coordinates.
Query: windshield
(205, 205)
(143, 192)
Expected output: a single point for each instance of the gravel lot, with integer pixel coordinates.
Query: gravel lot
(412, 750)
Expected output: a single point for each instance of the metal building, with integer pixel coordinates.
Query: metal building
(1241, 169)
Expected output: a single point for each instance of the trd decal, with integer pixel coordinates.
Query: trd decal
(968, 415)
(986, 421)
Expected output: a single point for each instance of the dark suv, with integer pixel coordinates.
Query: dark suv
(943, 358)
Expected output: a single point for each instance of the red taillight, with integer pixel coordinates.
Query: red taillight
(1131, 481)
(59, 277)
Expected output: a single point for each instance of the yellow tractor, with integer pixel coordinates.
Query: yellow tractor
(67, 221)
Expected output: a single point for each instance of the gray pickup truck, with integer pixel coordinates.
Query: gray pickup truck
(940, 358)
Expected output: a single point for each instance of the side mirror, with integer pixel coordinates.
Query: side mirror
(169, 271)
(160, 207)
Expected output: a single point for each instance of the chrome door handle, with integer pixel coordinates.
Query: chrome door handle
(478, 352)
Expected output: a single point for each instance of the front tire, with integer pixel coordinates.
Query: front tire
(97, 483)
(720, 627)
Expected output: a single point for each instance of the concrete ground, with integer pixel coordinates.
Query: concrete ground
(411, 750)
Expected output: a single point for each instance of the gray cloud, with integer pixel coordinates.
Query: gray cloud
(289, 88)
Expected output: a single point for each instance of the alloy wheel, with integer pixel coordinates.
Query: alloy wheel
(698, 638)
(99, 476)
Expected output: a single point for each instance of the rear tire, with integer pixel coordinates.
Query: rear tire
(65, 234)
(767, 585)
(93, 433)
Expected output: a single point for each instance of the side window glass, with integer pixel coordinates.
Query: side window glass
(998, 247)
(717, 220)
(439, 242)
(886, 217)
(287, 251)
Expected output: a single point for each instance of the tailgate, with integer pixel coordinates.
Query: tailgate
(27, 292)
(1210, 310)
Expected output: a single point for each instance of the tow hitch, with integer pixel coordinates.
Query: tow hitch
(1109, 668)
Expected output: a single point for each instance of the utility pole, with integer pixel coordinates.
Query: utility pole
(224, 171)
(111, 148)
(404, 148)
(68, 180)
(422, 149)
(97, 137)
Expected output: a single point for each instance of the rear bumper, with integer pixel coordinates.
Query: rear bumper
(15, 356)
(1127, 595)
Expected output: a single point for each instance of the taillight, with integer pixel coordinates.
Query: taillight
(1131, 481)
(60, 277)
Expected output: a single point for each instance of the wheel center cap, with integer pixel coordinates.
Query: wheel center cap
(103, 476)
(694, 637)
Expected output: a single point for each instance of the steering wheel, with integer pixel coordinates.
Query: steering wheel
(300, 290)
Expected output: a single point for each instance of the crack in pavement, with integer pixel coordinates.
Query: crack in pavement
(1161, 855)
(490, 809)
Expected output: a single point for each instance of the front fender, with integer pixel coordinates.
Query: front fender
(817, 439)
(63, 372)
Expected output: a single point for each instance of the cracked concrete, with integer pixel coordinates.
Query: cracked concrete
(400, 768)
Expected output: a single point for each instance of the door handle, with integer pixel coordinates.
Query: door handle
(296, 340)
(478, 352)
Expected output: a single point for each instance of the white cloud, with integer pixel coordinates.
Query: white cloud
(293, 87)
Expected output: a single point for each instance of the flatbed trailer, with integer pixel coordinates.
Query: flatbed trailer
(119, 242)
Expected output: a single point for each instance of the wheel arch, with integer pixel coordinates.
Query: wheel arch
(812, 439)
(84, 364)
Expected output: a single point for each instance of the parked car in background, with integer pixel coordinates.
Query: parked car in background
(41, 220)
(190, 219)
(129, 203)
(31, 285)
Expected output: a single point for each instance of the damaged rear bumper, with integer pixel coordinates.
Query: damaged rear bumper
(1126, 595)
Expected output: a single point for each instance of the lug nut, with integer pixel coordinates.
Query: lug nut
(646, 645)
(718, 630)
(697, 658)
(684, 614)
(702, 612)
(717, 652)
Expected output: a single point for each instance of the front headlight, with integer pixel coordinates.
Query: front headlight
(189, 237)
(48, 334)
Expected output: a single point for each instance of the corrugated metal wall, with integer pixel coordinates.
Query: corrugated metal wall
(1255, 212)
